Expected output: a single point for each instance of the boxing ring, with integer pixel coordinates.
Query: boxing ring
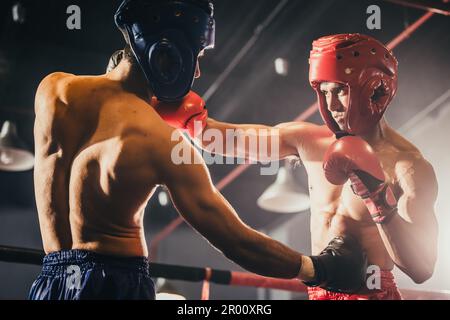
(207, 275)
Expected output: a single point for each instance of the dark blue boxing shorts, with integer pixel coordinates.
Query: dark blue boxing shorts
(84, 275)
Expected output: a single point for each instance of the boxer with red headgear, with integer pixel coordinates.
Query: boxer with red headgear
(366, 67)
(371, 190)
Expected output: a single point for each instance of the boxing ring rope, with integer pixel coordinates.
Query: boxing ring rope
(208, 275)
(157, 270)
(410, 30)
(309, 112)
(244, 50)
(439, 9)
(426, 111)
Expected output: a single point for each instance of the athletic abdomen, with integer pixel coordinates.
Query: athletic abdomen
(335, 210)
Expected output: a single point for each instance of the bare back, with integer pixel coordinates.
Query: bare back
(92, 176)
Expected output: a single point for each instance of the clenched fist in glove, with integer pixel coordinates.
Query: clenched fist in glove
(353, 158)
(186, 114)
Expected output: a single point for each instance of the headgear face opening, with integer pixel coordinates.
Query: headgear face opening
(369, 70)
(166, 37)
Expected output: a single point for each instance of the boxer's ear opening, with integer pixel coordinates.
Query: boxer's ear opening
(379, 92)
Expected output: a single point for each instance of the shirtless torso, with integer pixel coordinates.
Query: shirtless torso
(336, 209)
(91, 184)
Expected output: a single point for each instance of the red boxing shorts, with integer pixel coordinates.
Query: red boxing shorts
(389, 291)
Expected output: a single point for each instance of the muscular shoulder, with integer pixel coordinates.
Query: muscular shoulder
(411, 167)
(53, 95)
(52, 80)
(48, 103)
(53, 86)
(300, 131)
(70, 89)
(416, 175)
(69, 98)
(301, 126)
(305, 138)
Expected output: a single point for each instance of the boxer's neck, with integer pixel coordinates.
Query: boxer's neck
(132, 79)
(378, 134)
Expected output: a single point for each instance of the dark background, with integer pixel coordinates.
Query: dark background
(252, 93)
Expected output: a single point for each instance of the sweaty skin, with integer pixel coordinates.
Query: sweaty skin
(409, 240)
(101, 150)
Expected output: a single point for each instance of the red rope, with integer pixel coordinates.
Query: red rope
(206, 284)
(252, 280)
(410, 30)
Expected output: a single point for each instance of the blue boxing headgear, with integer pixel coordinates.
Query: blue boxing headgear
(166, 37)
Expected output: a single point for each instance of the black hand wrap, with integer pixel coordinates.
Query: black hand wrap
(341, 267)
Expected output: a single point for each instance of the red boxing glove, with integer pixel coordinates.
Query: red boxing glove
(188, 114)
(353, 158)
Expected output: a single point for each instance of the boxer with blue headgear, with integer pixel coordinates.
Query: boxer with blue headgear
(166, 38)
(102, 149)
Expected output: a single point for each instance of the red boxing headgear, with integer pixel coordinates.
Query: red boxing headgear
(369, 70)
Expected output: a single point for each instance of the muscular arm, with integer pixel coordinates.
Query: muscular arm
(52, 164)
(205, 209)
(411, 236)
(246, 140)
